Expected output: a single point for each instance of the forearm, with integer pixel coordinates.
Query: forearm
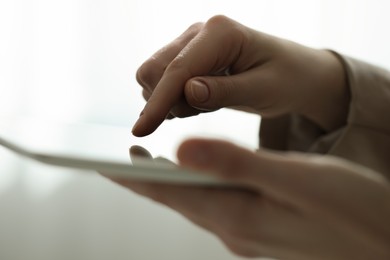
(365, 138)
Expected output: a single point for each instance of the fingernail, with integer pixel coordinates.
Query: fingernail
(200, 91)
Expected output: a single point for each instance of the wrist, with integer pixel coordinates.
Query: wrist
(330, 93)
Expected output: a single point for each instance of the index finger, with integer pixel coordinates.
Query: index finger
(213, 49)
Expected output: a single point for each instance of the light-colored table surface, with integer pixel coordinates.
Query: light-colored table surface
(49, 212)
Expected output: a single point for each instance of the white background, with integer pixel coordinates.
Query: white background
(75, 60)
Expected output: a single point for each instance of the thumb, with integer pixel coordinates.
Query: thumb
(294, 177)
(214, 92)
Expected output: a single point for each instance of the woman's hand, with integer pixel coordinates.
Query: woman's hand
(288, 206)
(224, 64)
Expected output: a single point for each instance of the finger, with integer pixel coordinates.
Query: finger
(150, 72)
(146, 94)
(322, 186)
(247, 89)
(181, 110)
(279, 176)
(160, 159)
(201, 56)
(136, 151)
(220, 158)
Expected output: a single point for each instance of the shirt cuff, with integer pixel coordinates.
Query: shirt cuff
(365, 139)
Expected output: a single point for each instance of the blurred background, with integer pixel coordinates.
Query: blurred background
(75, 61)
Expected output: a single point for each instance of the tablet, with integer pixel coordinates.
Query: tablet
(100, 148)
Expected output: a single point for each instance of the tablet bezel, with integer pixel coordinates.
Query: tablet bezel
(143, 169)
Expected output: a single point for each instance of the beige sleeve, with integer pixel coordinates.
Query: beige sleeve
(365, 139)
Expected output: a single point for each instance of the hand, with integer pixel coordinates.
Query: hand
(224, 64)
(289, 206)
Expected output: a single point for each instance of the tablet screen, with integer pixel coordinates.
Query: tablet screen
(111, 149)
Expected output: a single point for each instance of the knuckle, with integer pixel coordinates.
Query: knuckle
(146, 94)
(194, 29)
(189, 34)
(180, 67)
(177, 63)
(229, 30)
(218, 20)
(225, 25)
(142, 76)
(149, 73)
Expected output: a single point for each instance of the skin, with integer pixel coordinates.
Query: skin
(240, 68)
(285, 205)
